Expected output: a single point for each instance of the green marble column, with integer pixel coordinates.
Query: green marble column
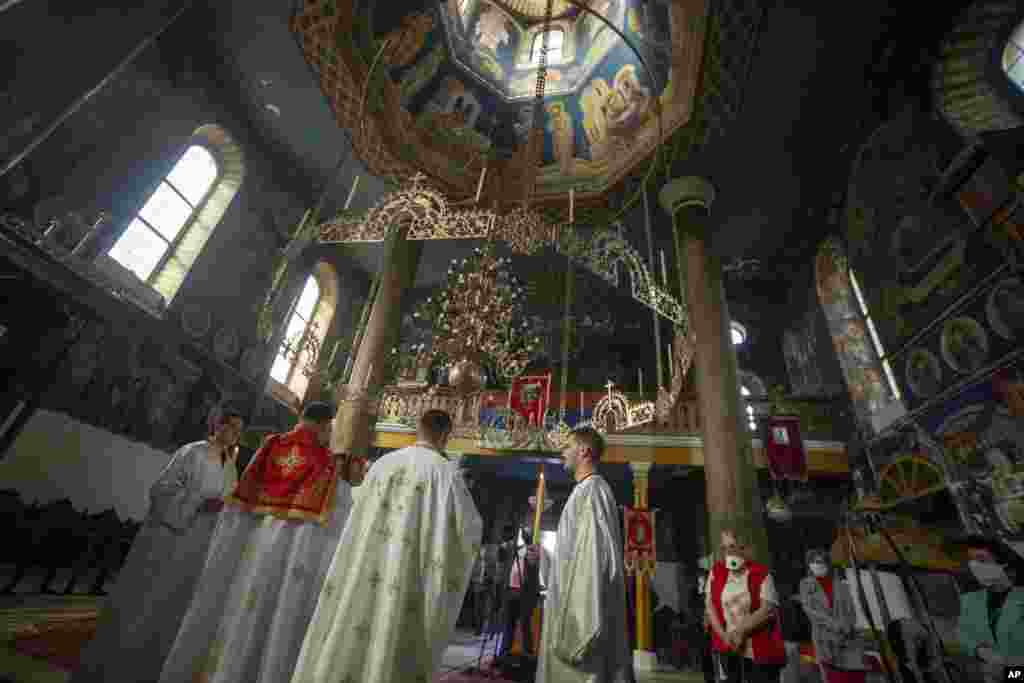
(732, 496)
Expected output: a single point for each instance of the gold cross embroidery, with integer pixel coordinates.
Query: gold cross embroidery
(363, 631)
(291, 462)
(328, 590)
(395, 587)
(375, 580)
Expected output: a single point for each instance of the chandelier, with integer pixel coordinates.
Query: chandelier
(480, 315)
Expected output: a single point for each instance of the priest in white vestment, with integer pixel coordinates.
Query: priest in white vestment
(389, 605)
(267, 562)
(584, 638)
(153, 589)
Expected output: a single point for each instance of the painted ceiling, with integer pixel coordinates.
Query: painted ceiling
(466, 81)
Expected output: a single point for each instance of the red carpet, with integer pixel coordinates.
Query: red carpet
(60, 644)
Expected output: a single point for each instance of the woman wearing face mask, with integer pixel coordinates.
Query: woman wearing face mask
(829, 607)
(992, 619)
(742, 606)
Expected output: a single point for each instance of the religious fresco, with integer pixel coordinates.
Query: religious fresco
(799, 349)
(982, 432)
(858, 360)
(915, 250)
(467, 78)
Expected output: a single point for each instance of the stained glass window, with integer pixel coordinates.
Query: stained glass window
(287, 357)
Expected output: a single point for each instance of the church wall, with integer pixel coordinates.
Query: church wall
(135, 388)
(56, 457)
(932, 229)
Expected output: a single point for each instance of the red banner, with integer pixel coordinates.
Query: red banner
(529, 397)
(785, 448)
(639, 533)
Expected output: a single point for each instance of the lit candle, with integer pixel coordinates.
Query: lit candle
(664, 270)
(351, 193)
(480, 184)
(572, 205)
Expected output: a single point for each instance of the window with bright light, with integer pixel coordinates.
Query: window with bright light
(556, 40)
(286, 363)
(1013, 57)
(153, 234)
(751, 420)
(876, 341)
(738, 333)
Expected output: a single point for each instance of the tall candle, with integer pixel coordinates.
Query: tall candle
(581, 405)
(640, 376)
(351, 193)
(671, 365)
(664, 270)
(480, 184)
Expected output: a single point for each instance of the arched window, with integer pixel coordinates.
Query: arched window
(164, 239)
(751, 420)
(556, 40)
(1013, 57)
(873, 390)
(311, 315)
(738, 333)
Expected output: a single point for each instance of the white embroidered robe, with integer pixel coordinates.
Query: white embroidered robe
(153, 589)
(584, 638)
(388, 607)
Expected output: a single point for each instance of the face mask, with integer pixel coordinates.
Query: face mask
(734, 562)
(819, 568)
(989, 574)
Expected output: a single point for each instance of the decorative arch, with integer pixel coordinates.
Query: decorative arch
(971, 89)
(857, 357)
(168, 278)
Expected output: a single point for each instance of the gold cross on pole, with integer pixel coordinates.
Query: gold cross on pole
(609, 386)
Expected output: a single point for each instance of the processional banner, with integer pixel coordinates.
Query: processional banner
(640, 550)
(529, 397)
(785, 448)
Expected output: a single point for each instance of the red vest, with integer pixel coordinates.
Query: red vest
(766, 642)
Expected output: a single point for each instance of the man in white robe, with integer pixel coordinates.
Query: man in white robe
(395, 588)
(267, 562)
(585, 638)
(153, 589)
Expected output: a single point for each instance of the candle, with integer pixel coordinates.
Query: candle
(366, 379)
(640, 377)
(664, 270)
(671, 365)
(572, 205)
(480, 184)
(351, 193)
(581, 405)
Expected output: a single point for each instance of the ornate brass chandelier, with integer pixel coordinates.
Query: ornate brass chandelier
(479, 315)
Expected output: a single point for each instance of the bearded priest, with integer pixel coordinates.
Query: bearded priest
(395, 588)
(585, 637)
(267, 561)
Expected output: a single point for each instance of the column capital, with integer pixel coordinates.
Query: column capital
(686, 192)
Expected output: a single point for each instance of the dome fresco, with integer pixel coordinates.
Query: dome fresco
(465, 72)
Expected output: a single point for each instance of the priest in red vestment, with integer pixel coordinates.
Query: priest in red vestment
(267, 561)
